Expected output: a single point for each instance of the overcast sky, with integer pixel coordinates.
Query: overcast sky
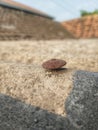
(62, 10)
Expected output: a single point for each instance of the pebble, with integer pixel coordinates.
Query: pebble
(53, 64)
(35, 120)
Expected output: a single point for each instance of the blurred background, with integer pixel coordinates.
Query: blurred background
(46, 20)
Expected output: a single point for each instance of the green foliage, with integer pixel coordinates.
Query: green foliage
(86, 13)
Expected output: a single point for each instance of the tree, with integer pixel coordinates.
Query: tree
(86, 13)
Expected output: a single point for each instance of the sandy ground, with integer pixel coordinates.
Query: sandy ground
(22, 76)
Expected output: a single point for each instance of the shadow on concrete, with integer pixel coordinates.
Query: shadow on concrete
(17, 115)
(59, 71)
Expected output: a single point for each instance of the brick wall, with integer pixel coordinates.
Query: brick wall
(15, 24)
(86, 27)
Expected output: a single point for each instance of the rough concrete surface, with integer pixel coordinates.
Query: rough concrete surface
(16, 115)
(25, 85)
(82, 103)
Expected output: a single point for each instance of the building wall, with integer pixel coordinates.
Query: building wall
(86, 27)
(15, 24)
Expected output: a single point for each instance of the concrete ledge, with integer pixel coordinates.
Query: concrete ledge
(33, 98)
(35, 85)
